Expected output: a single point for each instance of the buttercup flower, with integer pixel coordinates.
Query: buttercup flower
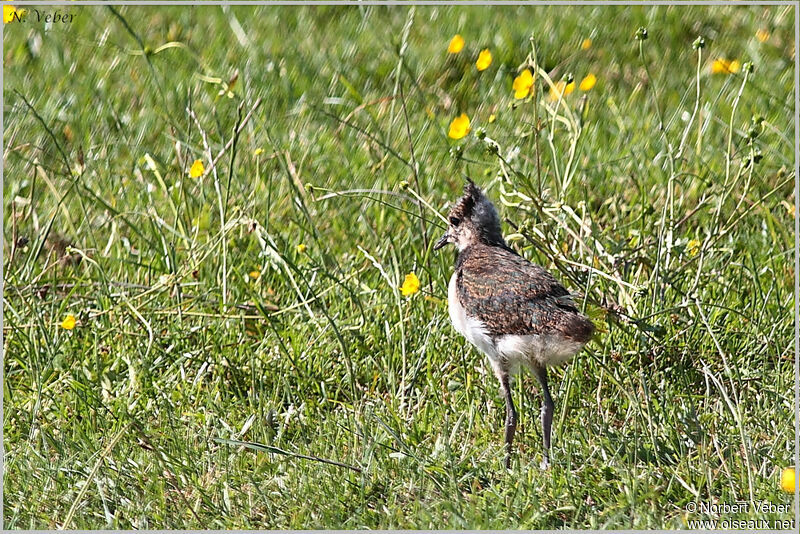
(693, 247)
(762, 35)
(410, 285)
(523, 84)
(300, 248)
(9, 12)
(562, 88)
(484, 59)
(725, 66)
(788, 479)
(586, 44)
(588, 82)
(69, 322)
(456, 44)
(255, 274)
(459, 127)
(197, 169)
(492, 118)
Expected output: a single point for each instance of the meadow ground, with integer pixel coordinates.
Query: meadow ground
(155, 321)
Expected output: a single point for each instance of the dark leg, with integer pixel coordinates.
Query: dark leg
(511, 416)
(547, 414)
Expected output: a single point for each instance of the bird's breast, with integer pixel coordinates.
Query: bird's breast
(469, 327)
(454, 307)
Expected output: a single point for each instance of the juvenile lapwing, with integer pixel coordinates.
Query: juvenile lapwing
(513, 311)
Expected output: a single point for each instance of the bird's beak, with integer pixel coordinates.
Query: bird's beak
(442, 242)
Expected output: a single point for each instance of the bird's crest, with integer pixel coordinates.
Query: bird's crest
(475, 207)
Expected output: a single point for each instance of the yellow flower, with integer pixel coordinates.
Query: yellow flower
(492, 118)
(762, 35)
(523, 84)
(197, 169)
(410, 285)
(69, 322)
(255, 274)
(459, 127)
(693, 247)
(10, 11)
(588, 82)
(724, 66)
(484, 59)
(586, 44)
(788, 480)
(456, 44)
(300, 248)
(258, 151)
(562, 88)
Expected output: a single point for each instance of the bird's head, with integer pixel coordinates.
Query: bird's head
(473, 219)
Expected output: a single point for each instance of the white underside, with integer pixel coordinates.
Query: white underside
(510, 352)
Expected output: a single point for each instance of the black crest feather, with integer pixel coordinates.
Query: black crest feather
(479, 210)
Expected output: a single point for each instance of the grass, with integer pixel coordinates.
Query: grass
(192, 394)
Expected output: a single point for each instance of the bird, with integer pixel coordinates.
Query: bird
(512, 310)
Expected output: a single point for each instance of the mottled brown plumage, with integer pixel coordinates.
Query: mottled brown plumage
(513, 311)
(511, 295)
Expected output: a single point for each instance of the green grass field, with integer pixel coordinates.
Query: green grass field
(214, 362)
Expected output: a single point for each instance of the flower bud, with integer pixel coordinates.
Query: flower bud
(641, 34)
(699, 43)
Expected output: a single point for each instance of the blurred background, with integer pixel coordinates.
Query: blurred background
(212, 216)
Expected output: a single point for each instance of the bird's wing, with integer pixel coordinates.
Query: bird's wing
(510, 295)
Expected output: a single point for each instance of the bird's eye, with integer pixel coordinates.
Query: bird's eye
(455, 221)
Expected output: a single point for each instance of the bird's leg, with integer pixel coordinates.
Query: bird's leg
(511, 416)
(547, 414)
